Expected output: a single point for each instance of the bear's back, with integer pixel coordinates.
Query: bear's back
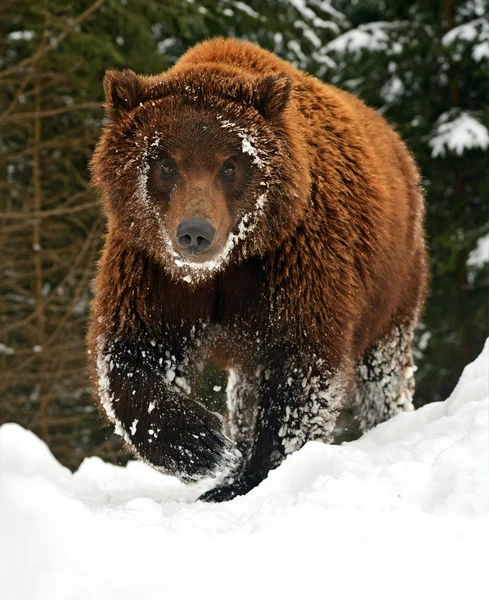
(246, 56)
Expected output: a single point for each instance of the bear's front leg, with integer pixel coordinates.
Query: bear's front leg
(144, 389)
(298, 401)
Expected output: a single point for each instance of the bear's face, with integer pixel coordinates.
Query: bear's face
(198, 176)
(202, 179)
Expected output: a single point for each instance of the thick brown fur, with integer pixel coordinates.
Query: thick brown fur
(310, 291)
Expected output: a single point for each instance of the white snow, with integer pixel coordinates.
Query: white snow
(248, 142)
(393, 89)
(467, 31)
(370, 36)
(402, 513)
(481, 51)
(458, 133)
(248, 148)
(6, 349)
(25, 35)
(480, 254)
(170, 375)
(247, 9)
(308, 13)
(473, 31)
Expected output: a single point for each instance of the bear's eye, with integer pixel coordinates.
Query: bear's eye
(168, 169)
(228, 170)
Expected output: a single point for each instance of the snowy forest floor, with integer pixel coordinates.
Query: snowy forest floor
(401, 513)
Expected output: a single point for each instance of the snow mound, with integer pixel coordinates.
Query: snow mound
(401, 513)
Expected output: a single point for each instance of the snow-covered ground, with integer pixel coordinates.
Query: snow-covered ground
(401, 513)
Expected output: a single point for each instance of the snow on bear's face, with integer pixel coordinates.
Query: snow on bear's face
(195, 172)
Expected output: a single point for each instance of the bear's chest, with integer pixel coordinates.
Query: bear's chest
(241, 295)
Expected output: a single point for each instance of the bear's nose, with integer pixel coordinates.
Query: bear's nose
(195, 236)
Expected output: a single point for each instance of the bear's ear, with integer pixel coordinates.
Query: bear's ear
(124, 90)
(272, 94)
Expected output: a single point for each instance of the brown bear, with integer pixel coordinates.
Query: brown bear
(257, 215)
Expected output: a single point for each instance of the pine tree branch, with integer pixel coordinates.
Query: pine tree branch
(45, 48)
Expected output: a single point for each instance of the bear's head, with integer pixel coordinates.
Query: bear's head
(201, 166)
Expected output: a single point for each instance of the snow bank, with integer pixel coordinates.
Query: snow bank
(401, 513)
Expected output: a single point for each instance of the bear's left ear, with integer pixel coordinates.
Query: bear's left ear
(272, 94)
(124, 90)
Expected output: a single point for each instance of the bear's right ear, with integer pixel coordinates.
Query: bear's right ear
(124, 90)
(272, 94)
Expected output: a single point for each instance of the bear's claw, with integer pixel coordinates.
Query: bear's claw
(238, 487)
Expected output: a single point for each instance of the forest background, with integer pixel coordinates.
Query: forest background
(424, 65)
